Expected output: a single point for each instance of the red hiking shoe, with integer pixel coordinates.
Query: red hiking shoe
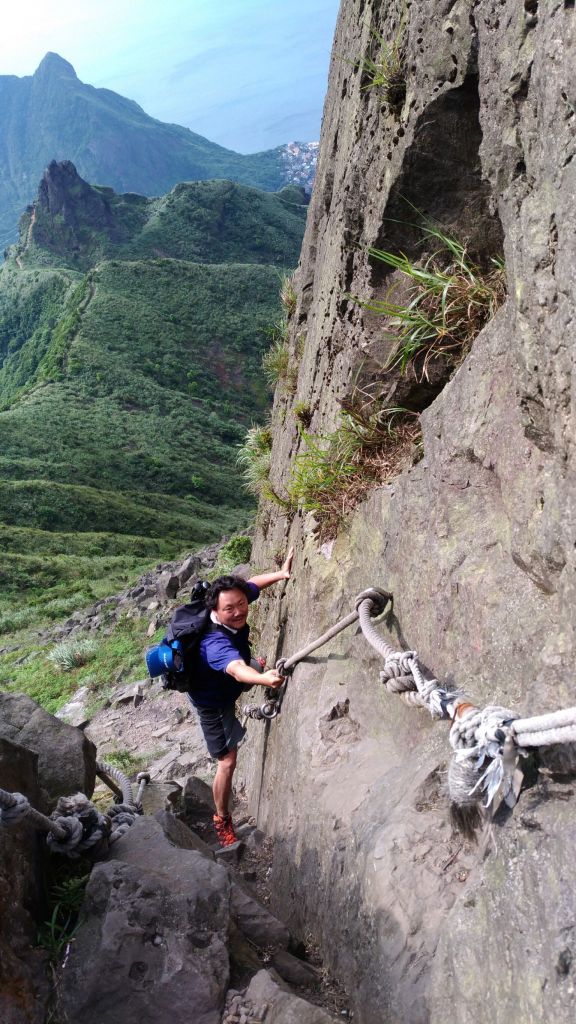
(224, 829)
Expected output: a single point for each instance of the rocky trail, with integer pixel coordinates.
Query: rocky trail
(158, 729)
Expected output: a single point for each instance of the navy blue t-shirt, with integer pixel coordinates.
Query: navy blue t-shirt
(212, 687)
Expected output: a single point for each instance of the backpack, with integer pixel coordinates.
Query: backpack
(170, 659)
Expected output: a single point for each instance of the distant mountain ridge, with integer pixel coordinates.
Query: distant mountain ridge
(52, 115)
(73, 224)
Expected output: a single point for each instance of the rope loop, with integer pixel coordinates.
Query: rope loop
(378, 597)
(397, 684)
(252, 711)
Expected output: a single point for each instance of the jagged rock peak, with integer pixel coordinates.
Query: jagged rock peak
(52, 64)
(59, 181)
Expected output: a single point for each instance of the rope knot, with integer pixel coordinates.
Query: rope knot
(15, 809)
(399, 663)
(74, 835)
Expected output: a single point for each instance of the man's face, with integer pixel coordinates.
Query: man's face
(232, 608)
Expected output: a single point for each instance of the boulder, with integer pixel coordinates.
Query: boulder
(189, 568)
(152, 944)
(74, 711)
(23, 980)
(66, 757)
(180, 835)
(198, 800)
(167, 586)
(282, 1007)
(257, 923)
(293, 970)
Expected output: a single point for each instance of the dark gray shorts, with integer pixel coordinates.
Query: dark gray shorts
(222, 730)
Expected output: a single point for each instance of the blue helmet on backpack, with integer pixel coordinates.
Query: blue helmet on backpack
(165, 657)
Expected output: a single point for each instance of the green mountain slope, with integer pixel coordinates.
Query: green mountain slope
(52, 115)
(74, 224)
(124, 389)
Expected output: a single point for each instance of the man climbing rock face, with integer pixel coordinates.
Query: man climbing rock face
(222, 671)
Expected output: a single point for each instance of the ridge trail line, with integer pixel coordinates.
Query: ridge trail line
(488, 743)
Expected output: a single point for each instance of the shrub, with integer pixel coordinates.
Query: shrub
(288, 294)
(450, 299)
(235, 552)
(73, 653)
(254, 459)
(65, 898)
(276, 361)
(384, 66)
(279, 364)
(302, 413)
(127, 762)
(337, 470)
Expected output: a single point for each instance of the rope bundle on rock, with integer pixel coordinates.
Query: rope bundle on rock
(76, 826)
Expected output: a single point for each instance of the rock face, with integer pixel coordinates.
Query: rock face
(23, 979)
(154, 942)
(476, 540)
(154, 937)
(66, 757)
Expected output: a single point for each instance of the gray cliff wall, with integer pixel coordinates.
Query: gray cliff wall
(476, 540)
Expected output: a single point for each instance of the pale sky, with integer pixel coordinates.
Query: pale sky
(249, 74)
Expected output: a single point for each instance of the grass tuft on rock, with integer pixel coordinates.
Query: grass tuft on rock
(337, 470)
(450, 298)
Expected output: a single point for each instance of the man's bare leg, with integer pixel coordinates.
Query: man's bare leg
(222, 785)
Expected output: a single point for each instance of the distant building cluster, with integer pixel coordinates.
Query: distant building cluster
(300, 159)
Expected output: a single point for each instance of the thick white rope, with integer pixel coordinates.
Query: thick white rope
(544, 730)
(488, 742)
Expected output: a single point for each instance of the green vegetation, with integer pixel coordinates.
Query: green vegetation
(235, 552)
(449, 300)
(288, 295)
(199, 221)
(127, 762)
(121, 651)
(276, 361)
(129, 373)
(302, 413)
(336, 470)
(124, 390)
(280, 365)
(65, 898)
(384, 65)
(445, 303)
(253, 458)
(73, 653)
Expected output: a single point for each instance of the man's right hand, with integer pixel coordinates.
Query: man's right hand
(271, 678)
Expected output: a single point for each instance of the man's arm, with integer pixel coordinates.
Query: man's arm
(244, 673)
(267, 578)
